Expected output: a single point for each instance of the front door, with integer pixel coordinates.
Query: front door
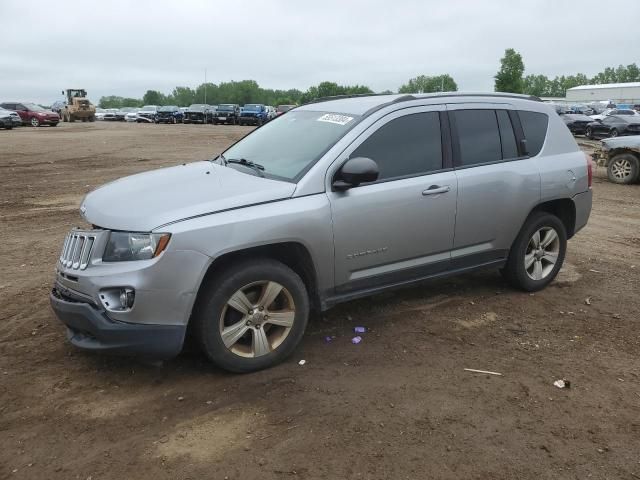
(399, 228)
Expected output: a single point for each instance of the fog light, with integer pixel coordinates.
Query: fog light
(127, 297)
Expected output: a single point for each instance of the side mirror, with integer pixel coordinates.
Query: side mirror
(354, 172)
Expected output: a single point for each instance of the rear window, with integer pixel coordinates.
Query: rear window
(534, 125)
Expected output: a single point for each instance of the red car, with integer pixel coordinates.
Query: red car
(32, 114)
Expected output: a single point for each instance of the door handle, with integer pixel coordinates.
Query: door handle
(436, 189)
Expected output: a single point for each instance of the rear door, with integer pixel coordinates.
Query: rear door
(400, 227)
(497, 184)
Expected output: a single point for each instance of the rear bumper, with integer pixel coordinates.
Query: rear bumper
(582, 202)
(91, 329)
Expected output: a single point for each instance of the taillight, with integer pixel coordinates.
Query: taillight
(589, 168)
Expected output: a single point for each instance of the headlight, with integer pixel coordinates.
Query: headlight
(125, 247)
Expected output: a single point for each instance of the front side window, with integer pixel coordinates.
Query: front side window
(405, 146)
(478, 136)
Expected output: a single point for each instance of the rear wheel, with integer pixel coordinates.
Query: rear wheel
(252, 316)
(613, 133)
(624, 168)
(92, 118)
(538, 252)
(35, 122)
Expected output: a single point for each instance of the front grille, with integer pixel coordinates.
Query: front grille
(76, 250)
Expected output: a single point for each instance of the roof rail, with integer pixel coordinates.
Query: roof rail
(340, 97)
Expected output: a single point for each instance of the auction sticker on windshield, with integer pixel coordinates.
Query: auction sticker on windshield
(335, 118)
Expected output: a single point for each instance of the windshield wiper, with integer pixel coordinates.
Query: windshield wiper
(246, 163)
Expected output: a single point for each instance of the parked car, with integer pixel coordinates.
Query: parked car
(253, 114)
(131, 116)
(577, 123)
(199, 113)
(147, 114)
(227, 113)
(333, 201)
(184, 109)
(32, 114)
(621, 157)
(121, 112)
(280, 109)
(271, 112)
(100, 112)
(58, 106)
(6, 121)
(613, 111)
(16, 121)
(169, 114)
(614, 126)
(110, 114)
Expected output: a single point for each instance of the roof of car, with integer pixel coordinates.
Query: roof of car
(363, 104)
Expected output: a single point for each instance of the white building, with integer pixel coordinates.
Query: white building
(615, 92)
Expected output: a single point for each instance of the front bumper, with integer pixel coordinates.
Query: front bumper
(89, 328)
(251, 120)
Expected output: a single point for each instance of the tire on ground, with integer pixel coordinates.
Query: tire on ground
(514, 271)
(619, 162)
(214, 297)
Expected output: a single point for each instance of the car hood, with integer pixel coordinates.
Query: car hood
(149, 200)
(632, 141)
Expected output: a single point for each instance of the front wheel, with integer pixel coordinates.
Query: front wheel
(252, 316)
(588, 133)
(538, 252)
(35, 122)
(624, 168)
(614, 133)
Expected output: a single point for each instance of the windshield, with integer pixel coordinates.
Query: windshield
(34, 108)
(197, 108)
(226, 108)
(285, 108)
(149, 108)
(167, 109)
(252, 107)
(277, 145)
(623, 112)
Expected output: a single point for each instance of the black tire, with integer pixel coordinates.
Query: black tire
(92, 118)
(624, 168)
(614, 133)
(515, 271)
(214, 299)
(588, 133)
(54, 124)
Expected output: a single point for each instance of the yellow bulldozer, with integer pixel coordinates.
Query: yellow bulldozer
(77, 106)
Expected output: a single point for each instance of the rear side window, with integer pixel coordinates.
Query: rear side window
(478, 136)
(534, 125)
(405, 146)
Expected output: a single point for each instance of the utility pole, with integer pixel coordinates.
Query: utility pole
(205, 86)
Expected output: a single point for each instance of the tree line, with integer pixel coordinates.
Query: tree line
(511, 78)
(248, 91)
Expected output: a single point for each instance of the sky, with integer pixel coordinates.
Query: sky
(124, 48)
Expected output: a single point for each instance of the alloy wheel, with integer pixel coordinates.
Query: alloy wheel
(542, 253)
(257, 318)
(621, 168)
(35, 122)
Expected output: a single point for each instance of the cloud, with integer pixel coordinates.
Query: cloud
(126, 47)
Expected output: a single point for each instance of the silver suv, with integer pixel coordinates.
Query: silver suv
(333, 201)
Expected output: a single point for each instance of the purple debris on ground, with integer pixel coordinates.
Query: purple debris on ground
(360, 329)
(356, 340)
(328, 339)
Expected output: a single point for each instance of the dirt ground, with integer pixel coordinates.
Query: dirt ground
(399, 405)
